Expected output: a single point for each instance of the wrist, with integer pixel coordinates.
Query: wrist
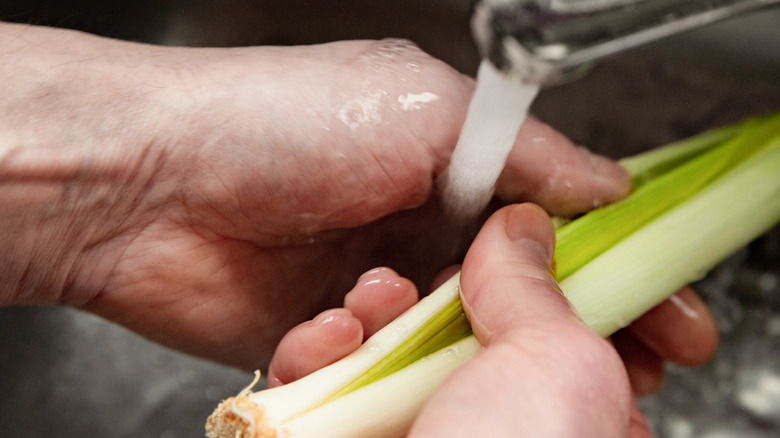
(72, 174)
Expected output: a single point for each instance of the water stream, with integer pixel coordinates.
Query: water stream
(496, 112)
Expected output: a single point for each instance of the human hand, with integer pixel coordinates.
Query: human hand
(211, 199)
(541, 370)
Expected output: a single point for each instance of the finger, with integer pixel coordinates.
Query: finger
(444, 275)
(379, 297)
(681, 329)
(314, 344)
(381, 120)
(542, 372)
(563, 178)
(525, 252)
(637, 425)
(644, 367)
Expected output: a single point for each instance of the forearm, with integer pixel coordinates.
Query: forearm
(70, 174)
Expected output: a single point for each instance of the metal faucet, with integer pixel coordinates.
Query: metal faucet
(547, 42)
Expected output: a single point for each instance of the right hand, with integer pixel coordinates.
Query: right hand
(542, 370)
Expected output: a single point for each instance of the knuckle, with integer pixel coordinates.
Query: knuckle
(397, 57)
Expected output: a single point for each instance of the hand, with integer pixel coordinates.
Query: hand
(211, 199)
(542, 370)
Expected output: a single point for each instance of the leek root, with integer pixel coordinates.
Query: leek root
(693, 204)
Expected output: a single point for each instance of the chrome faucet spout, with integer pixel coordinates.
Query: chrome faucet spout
(546, 42)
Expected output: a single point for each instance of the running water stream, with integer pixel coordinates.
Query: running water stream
(497, 109)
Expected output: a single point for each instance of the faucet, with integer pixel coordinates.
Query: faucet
(548, 42)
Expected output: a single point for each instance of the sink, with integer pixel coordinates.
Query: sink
(66, 373)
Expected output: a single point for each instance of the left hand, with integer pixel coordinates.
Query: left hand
(211, 199)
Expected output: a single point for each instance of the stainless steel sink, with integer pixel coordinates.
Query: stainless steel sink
(65, 373)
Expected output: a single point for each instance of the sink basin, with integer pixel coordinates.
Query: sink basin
(65, 373)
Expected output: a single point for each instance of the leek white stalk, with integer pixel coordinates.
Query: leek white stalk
(303, 405)
(401, 395)
(630, 278)
(694, 204)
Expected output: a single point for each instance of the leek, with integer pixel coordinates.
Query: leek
(693, 204)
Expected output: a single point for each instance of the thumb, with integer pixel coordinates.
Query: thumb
(543, 368)
(508, 279)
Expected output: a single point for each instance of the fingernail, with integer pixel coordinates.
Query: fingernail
(379, 276)
(370, 275)
(611, 174)
(330, 315)
(529, 225)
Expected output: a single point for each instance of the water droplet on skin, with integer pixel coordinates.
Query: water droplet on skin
(411, 101)
(361, 111)
(385, 53)
(372, 272)
(686, 310)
